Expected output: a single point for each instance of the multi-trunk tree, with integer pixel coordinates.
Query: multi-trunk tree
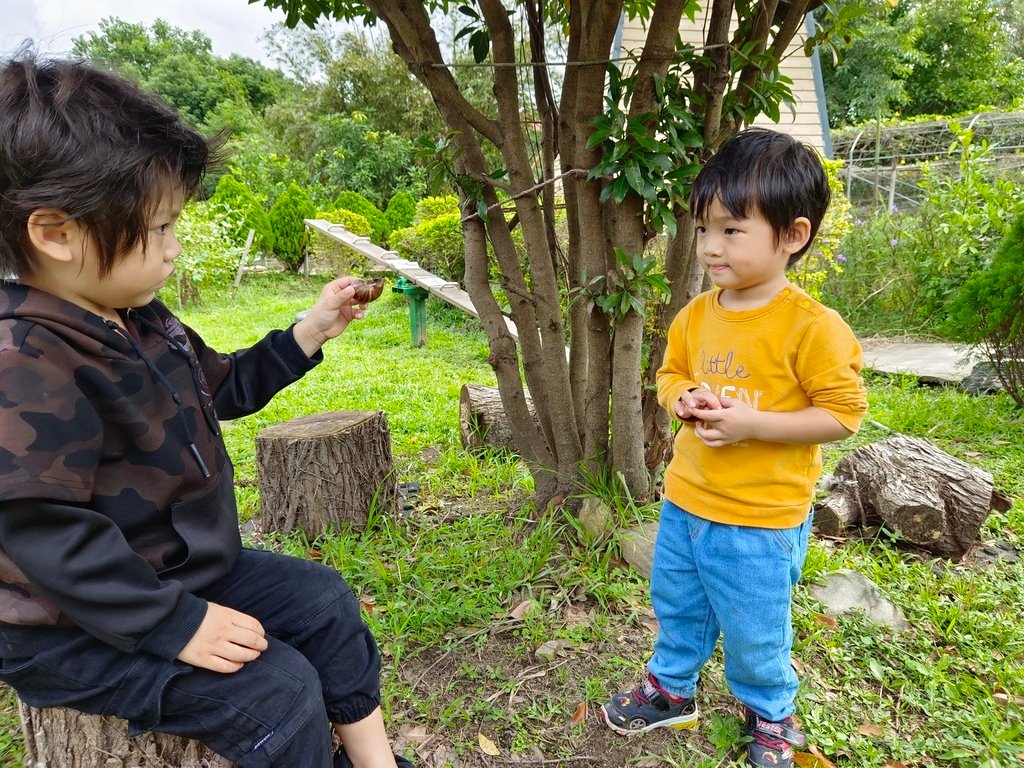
(615, 143)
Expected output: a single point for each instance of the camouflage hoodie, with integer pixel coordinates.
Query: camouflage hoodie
(116, 493)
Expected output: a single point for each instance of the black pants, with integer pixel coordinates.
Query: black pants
(322, 665)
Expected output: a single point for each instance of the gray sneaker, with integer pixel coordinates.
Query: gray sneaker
(646, 708)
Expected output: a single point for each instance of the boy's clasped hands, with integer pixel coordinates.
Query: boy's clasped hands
(717, 421)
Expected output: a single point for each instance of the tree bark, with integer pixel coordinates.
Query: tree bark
(915, 490)
(64, 738)
(324, 470)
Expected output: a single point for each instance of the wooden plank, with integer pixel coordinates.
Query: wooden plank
(446, 290)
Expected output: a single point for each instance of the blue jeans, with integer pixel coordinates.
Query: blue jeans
(322, 664)
(709, 579)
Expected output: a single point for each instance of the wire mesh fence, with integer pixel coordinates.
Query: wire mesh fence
(884, 165)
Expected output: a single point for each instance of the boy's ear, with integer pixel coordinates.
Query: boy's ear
(54, 235)
(797, 235)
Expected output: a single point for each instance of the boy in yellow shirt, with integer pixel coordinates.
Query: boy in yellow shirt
(760, 374)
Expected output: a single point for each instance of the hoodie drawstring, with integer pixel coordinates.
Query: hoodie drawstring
(158, 374)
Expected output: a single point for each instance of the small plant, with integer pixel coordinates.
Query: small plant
(290, 235)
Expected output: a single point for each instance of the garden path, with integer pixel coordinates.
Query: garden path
(932, 362)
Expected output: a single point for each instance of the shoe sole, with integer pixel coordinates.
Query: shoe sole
(676, 723)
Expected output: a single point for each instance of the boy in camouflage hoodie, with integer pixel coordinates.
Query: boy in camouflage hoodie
(124, 588)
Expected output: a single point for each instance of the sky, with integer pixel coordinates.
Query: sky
(232, 25)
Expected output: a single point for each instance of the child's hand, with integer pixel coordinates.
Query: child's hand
(732, 422)
(331, 314)
(225, 640)
(693, 400)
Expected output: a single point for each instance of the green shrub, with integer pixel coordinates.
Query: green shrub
(353, 222)
(437, 244)
(401, 210)
(903, 267)
(988, 311)
(353, 201)
(290, 234)
(209, 256)
(237, 197)
(432, 207)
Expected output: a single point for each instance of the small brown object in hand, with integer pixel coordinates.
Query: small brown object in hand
(367, 290)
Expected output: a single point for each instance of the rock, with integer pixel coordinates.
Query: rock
(638, 546)
(982, 380)
(596, 518)
(845, 591)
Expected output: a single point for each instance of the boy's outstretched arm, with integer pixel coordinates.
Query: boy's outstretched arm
(331, 314)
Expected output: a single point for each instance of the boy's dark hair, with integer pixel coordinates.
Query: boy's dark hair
(77, 139)
(778, 175)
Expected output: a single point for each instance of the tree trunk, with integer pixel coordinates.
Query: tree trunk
(482, 420)
(915, 490)
(324, 470)
(63, 738)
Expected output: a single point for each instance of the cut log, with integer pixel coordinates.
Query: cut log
(915, 490)
(324, 470)
(482, 420)
(63, 738)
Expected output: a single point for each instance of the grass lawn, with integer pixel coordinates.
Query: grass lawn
(467, 586)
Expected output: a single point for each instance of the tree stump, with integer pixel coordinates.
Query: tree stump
(324, 470)
(63, 738)
(913, 489)
(482, 420)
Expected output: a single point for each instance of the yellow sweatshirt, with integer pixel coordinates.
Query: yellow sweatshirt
(787, 355)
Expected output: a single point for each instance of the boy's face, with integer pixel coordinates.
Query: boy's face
(744, 256)
(135, 277)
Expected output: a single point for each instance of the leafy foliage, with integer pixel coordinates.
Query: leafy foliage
(823, 259)
(925, 57)
(988, 311)
(903, 267)
(179, 66)
(436, 243)
(355, 202)
(431, 207)
(638, 282)
(353, 222)
(209, 253)
(866, 78)
(290, 234)
(238, 198)
(654, 155)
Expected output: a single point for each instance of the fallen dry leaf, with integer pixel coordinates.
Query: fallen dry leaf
(522, 609)
(315, 554)
(870, 730)
(580, 714)
(812, 758)
(828, 621)
(1005, 699)
(890, 763)
(487, 746)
